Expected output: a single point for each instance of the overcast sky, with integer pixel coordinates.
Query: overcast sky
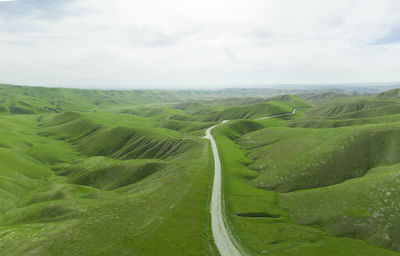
(198, 44)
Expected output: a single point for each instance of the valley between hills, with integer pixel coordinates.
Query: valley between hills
(108, 172)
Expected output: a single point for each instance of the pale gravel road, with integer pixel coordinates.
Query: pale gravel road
(226, 244)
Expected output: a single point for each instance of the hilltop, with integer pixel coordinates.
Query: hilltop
(81, 167)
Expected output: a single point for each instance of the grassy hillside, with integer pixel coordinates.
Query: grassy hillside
(347, 111)
(118, 142)
(331, 181)
(362, 108)
(111, 172)
(259, 218)
(366, 207)
(356, 202)
(394, 93)
(240, 108)
(69, 185)
(293, 158)
(108, 167)
(34, 100)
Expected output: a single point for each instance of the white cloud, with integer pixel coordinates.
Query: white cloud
(174, 43)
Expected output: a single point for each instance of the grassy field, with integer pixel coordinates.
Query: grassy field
(315, 191)
(34, 100)
(102, 183)
(102, 173)
(91, 172)
(256, 215)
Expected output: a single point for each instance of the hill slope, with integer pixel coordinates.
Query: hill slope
(342, 180)
(81, 168)
(67, 188)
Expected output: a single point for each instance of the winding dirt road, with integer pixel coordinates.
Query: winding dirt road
(226, 243)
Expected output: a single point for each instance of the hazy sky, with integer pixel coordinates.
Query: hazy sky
(196, 44)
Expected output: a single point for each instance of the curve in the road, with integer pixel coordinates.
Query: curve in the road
(223, 240)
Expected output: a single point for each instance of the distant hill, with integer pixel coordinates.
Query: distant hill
(394, 93)
(15, 99)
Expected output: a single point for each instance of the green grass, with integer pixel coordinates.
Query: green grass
(106, 169)
(31, 100)
(108, 174)
(278, 234)
(365, 207)
(35, 100)
(296, 158)
(347, 111)
(239, 108)
(127, 173)
(394, 93)
(61, 197)
(316, 191)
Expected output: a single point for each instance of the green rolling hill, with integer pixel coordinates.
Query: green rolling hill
(92, 172)
(319, 182)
